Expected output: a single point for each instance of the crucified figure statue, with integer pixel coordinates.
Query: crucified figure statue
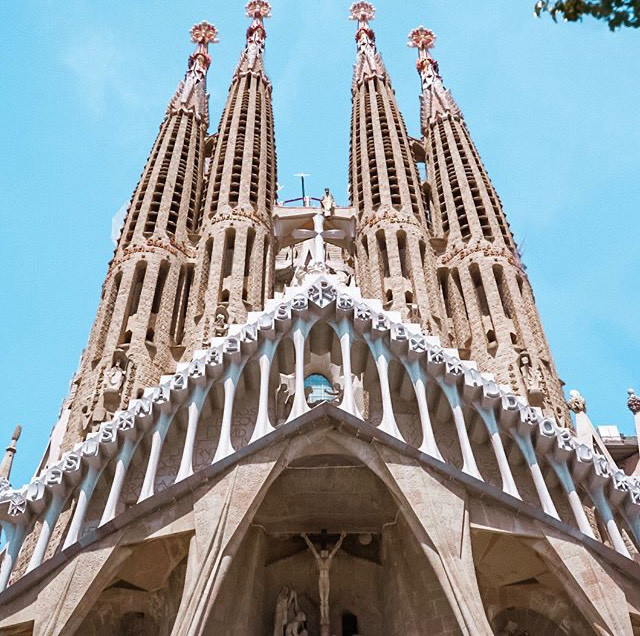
(324, 564)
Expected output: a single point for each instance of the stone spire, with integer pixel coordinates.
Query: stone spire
(394, 263)
(191, 95)
(234, 263)
(140, 326)
(491, 314)
(7, 460)
(435, 97)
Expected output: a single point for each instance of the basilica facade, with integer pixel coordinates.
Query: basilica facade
(299, 418)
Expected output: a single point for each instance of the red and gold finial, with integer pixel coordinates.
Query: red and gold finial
(423, 39)
(258, 9)
(362, 11)
(204, 33)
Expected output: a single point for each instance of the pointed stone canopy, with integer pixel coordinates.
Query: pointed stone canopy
(435, 98)
(251, 59)
(191, 94)
(7, 461)
(368, 61)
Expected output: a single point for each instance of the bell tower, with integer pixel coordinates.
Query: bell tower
(394, 263)
(235, 254)
(139, 329)
(491, 315)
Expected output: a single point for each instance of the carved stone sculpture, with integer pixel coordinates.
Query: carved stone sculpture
(576, 402)
(287, 615)
(328, 203)
(323, 560)
(220, 327)
(532, 380)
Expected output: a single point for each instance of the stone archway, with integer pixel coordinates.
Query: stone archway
(380, 573)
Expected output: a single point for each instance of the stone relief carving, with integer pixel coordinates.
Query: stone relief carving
(289, 620)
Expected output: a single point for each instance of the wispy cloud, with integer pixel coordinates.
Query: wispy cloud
(102, 69)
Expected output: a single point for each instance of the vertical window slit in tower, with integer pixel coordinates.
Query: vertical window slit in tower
(382, 250)
(185, 281)
(255, 165)
(371, 150)
(461, 214)
(442, 204)
(225, 131)
(271, 160)
(204, 283)
(423, 252)
(402, 253)
(133, 301)
(265, 265)
(236, 169)
(481, 297)
(108, 314)
(162, 279)
(251, 237)
(193, 219)
(142, 189)
(178, 188)
(483, 218)
(229, 247)
(355, 160)
(154, 207)
(365, 247)
(503, 291)
(387, 144)
(443, 279)
(409, 163)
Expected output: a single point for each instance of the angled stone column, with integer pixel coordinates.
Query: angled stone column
(419, 380)
(15, 535)
(587, 582)
(489, 419)
(299, 405)
(445, 536)
(194, 409)
(225, 448)
(452, 394)
(222, 513)
(263, 426)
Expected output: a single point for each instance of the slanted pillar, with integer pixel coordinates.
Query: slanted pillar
(15, 534)
(300, 405)
(489, 419)
(263, 426)
(419, 381)
(194, 410)
(452, 394)
(225, 448)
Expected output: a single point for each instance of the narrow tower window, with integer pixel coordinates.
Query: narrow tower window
(181, 303)
(382, 250)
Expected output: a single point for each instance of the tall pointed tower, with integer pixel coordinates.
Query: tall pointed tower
(490, 307)
(235, 254)
(393, 260)
(140, 324)
(324, 465)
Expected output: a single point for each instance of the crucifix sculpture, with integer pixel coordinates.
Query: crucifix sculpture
(323, 560)
(319, 234)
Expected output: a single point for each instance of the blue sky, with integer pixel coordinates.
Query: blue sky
(553, 109)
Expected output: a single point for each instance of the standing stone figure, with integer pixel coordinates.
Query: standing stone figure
(287, 611)
(324, 565)
(328, 203)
